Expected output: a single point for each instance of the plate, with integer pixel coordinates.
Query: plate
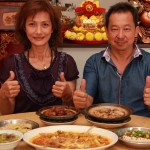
(58, 123)
(22, 125)
(108, 125)
(108, 112)
(68, 128)
(133, 142)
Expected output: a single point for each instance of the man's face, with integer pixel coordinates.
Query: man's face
(121, 31)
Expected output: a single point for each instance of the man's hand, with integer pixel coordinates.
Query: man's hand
(80, 96)
(147, 92)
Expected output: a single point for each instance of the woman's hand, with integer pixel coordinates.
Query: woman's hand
(61, 88)
(10, 88)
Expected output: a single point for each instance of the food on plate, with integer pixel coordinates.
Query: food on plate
(105, 36)
(80, 36)
(108, 112)
(58, 111)
(70, 140)
(22, 127)
(8, 137)
(89, 36)
(98, 36)
(136, 135)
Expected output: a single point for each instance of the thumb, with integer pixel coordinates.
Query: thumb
(83, 85)
(12, 76)
(62, 77)
(147, 84)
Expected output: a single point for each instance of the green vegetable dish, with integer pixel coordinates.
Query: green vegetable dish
(138, 134)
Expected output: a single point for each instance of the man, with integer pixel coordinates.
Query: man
(121, 73)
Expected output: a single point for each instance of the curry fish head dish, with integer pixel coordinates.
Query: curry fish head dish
(108, 112)
(70, 137)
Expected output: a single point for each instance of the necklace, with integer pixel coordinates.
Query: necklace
(44, 66)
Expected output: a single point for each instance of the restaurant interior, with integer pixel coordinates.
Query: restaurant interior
(77, 44)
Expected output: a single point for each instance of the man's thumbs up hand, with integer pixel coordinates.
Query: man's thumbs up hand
(83, 85)
(147, 91)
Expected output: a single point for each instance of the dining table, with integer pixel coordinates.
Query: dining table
(136, 121)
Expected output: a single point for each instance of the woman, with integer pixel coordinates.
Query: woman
(40, 76)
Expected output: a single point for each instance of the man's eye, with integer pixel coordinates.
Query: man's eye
(114, 29)
(127, 29)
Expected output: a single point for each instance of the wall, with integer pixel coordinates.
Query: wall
(103, 3)
(81, 55)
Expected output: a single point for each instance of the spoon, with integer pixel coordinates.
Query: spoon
(90, 128)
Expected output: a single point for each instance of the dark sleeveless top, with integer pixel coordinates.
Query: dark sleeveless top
(36, 85)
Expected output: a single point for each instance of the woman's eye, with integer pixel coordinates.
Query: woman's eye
(31, 24)
(45, 25)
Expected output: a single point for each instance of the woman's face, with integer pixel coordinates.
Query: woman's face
(38, 28)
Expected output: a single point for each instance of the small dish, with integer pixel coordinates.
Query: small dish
(22, 125)
(47, 122)
(108, 112)
(58, 113)
(108, 125)
(135, 139)
(5, 135)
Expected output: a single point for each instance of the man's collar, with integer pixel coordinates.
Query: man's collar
(107, 52)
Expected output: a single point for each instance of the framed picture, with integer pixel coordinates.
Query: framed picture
(8, 15)
(13, 0)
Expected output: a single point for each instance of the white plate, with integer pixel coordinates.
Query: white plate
(107, 125)
(133, 143)
(58, 123)
(75, 128)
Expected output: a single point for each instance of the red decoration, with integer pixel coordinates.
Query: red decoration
(88, 9)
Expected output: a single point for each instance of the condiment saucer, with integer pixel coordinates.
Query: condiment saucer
(108, 125)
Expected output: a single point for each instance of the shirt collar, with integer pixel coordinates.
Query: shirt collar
(137, 52)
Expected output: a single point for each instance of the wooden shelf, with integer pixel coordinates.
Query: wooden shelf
(67, 44)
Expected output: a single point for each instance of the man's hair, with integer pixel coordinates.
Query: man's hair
(119, 8)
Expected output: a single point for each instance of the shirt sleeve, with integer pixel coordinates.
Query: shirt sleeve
(90, 75)
(71, 70)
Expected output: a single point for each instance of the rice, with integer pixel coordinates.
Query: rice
(135, 139)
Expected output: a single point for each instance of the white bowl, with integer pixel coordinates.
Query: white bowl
(74, 128)
(10, 145)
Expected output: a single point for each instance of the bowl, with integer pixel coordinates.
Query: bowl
(108, 112)
(22, 125)
(58, 113)
(134, 137)
(5, 143)
(73, 140)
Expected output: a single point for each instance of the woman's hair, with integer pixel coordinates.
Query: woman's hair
(119, 8)
(32, 7)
